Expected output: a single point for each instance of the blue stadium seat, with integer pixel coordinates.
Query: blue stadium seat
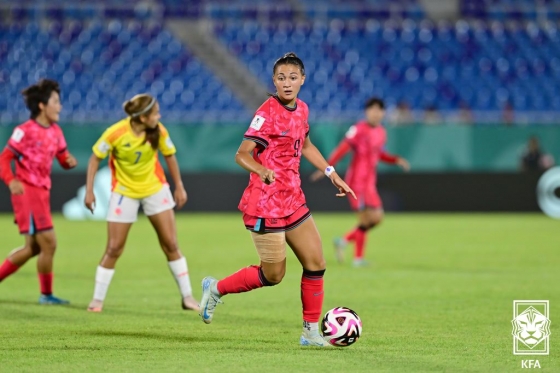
(480, 64)
(100, 64)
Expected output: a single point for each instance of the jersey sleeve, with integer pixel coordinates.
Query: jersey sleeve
(104, 145)
(62, 145)
(351, 136)
(16, 143)
(261, 127)
(166, 146)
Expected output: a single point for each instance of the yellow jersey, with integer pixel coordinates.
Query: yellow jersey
(135, 167)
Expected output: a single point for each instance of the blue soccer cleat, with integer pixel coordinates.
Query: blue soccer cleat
(210, 299)
(339, 244)
(51, 299)
(313, 339)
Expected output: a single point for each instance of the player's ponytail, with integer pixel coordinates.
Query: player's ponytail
(142, 105)
(289, 58)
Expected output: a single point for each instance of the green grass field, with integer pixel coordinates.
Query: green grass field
(437, 298)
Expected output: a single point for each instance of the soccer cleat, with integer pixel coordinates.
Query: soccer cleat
(316, 340)
(189, 303)
(339, 246)
(95, 306)
(360, 263)
(210, 299)
(51, 299)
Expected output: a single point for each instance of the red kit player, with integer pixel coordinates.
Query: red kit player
(366, 139)
(273, 204)
(33, 146)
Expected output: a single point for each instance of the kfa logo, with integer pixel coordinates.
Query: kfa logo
(530, 364)
(531, 329)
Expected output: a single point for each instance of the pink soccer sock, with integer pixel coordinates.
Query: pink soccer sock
(7, 268)
(246, 279)
(46, 280)
(360, 244)
(312, 295)
(351, 235)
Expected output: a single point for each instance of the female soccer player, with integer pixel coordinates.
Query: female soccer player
(367, 141)
(33, 146)
(273, 204)
(132, 145)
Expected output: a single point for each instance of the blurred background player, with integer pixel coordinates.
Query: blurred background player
(366, 139)
(33, 146)
(273, 204)
(132, 145)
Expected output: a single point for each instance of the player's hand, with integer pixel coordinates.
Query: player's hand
(403, 163)
(267, 176)
(71, 161)
(342, 187)
(316, 176)
(89, 201)
(180, 197)
(16, 187)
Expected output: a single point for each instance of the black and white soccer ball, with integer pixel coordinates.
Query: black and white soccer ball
(341, 327)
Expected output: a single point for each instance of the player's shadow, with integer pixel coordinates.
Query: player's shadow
(152, 336)
(28, 303)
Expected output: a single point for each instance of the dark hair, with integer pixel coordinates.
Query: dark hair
(39, 93)
(289, 59)
(139, 105)
(374, 101)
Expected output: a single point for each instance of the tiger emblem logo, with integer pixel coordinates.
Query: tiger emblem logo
(531, 327)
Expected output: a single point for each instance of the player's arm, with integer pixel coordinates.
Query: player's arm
(394, 159)
(6, 174)
(93, 166)
(66, 159)
(101, 149)
(338, 153)
(167, 148)
(180, 193)
(244, 158)
(314, 156)
(63, 156)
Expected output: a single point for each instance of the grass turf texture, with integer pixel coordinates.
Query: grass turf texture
(437, 298)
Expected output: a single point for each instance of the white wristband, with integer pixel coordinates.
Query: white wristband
(329, 170)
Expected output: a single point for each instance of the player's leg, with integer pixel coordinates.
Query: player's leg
(18, 257)
(22, 204)
(43, 233)
(271, 248)
(371, 216)
(123, 212)
(47, 243)
(353, 235)
(366, 219)
(164, 225)
(305, 242)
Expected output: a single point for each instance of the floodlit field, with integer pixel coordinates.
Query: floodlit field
(438, 297)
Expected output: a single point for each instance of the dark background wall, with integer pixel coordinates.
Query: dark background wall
(400, 192)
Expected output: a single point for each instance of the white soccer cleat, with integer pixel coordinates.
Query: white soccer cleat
(339, 246)
(360, 263)
(95, 306)
(210, 299)
(313, 339)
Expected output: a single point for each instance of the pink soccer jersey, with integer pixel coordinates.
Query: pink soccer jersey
(35, 147)
(279, 133)
(367, 143)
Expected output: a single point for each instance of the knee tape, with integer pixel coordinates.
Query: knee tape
(271, 247)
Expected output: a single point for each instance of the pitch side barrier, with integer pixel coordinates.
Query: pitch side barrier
(220, 192)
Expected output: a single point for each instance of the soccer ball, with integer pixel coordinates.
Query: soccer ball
(341, 327)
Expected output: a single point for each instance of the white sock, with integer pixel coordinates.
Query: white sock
(103, 277)
(310, 327)
(181, 273)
